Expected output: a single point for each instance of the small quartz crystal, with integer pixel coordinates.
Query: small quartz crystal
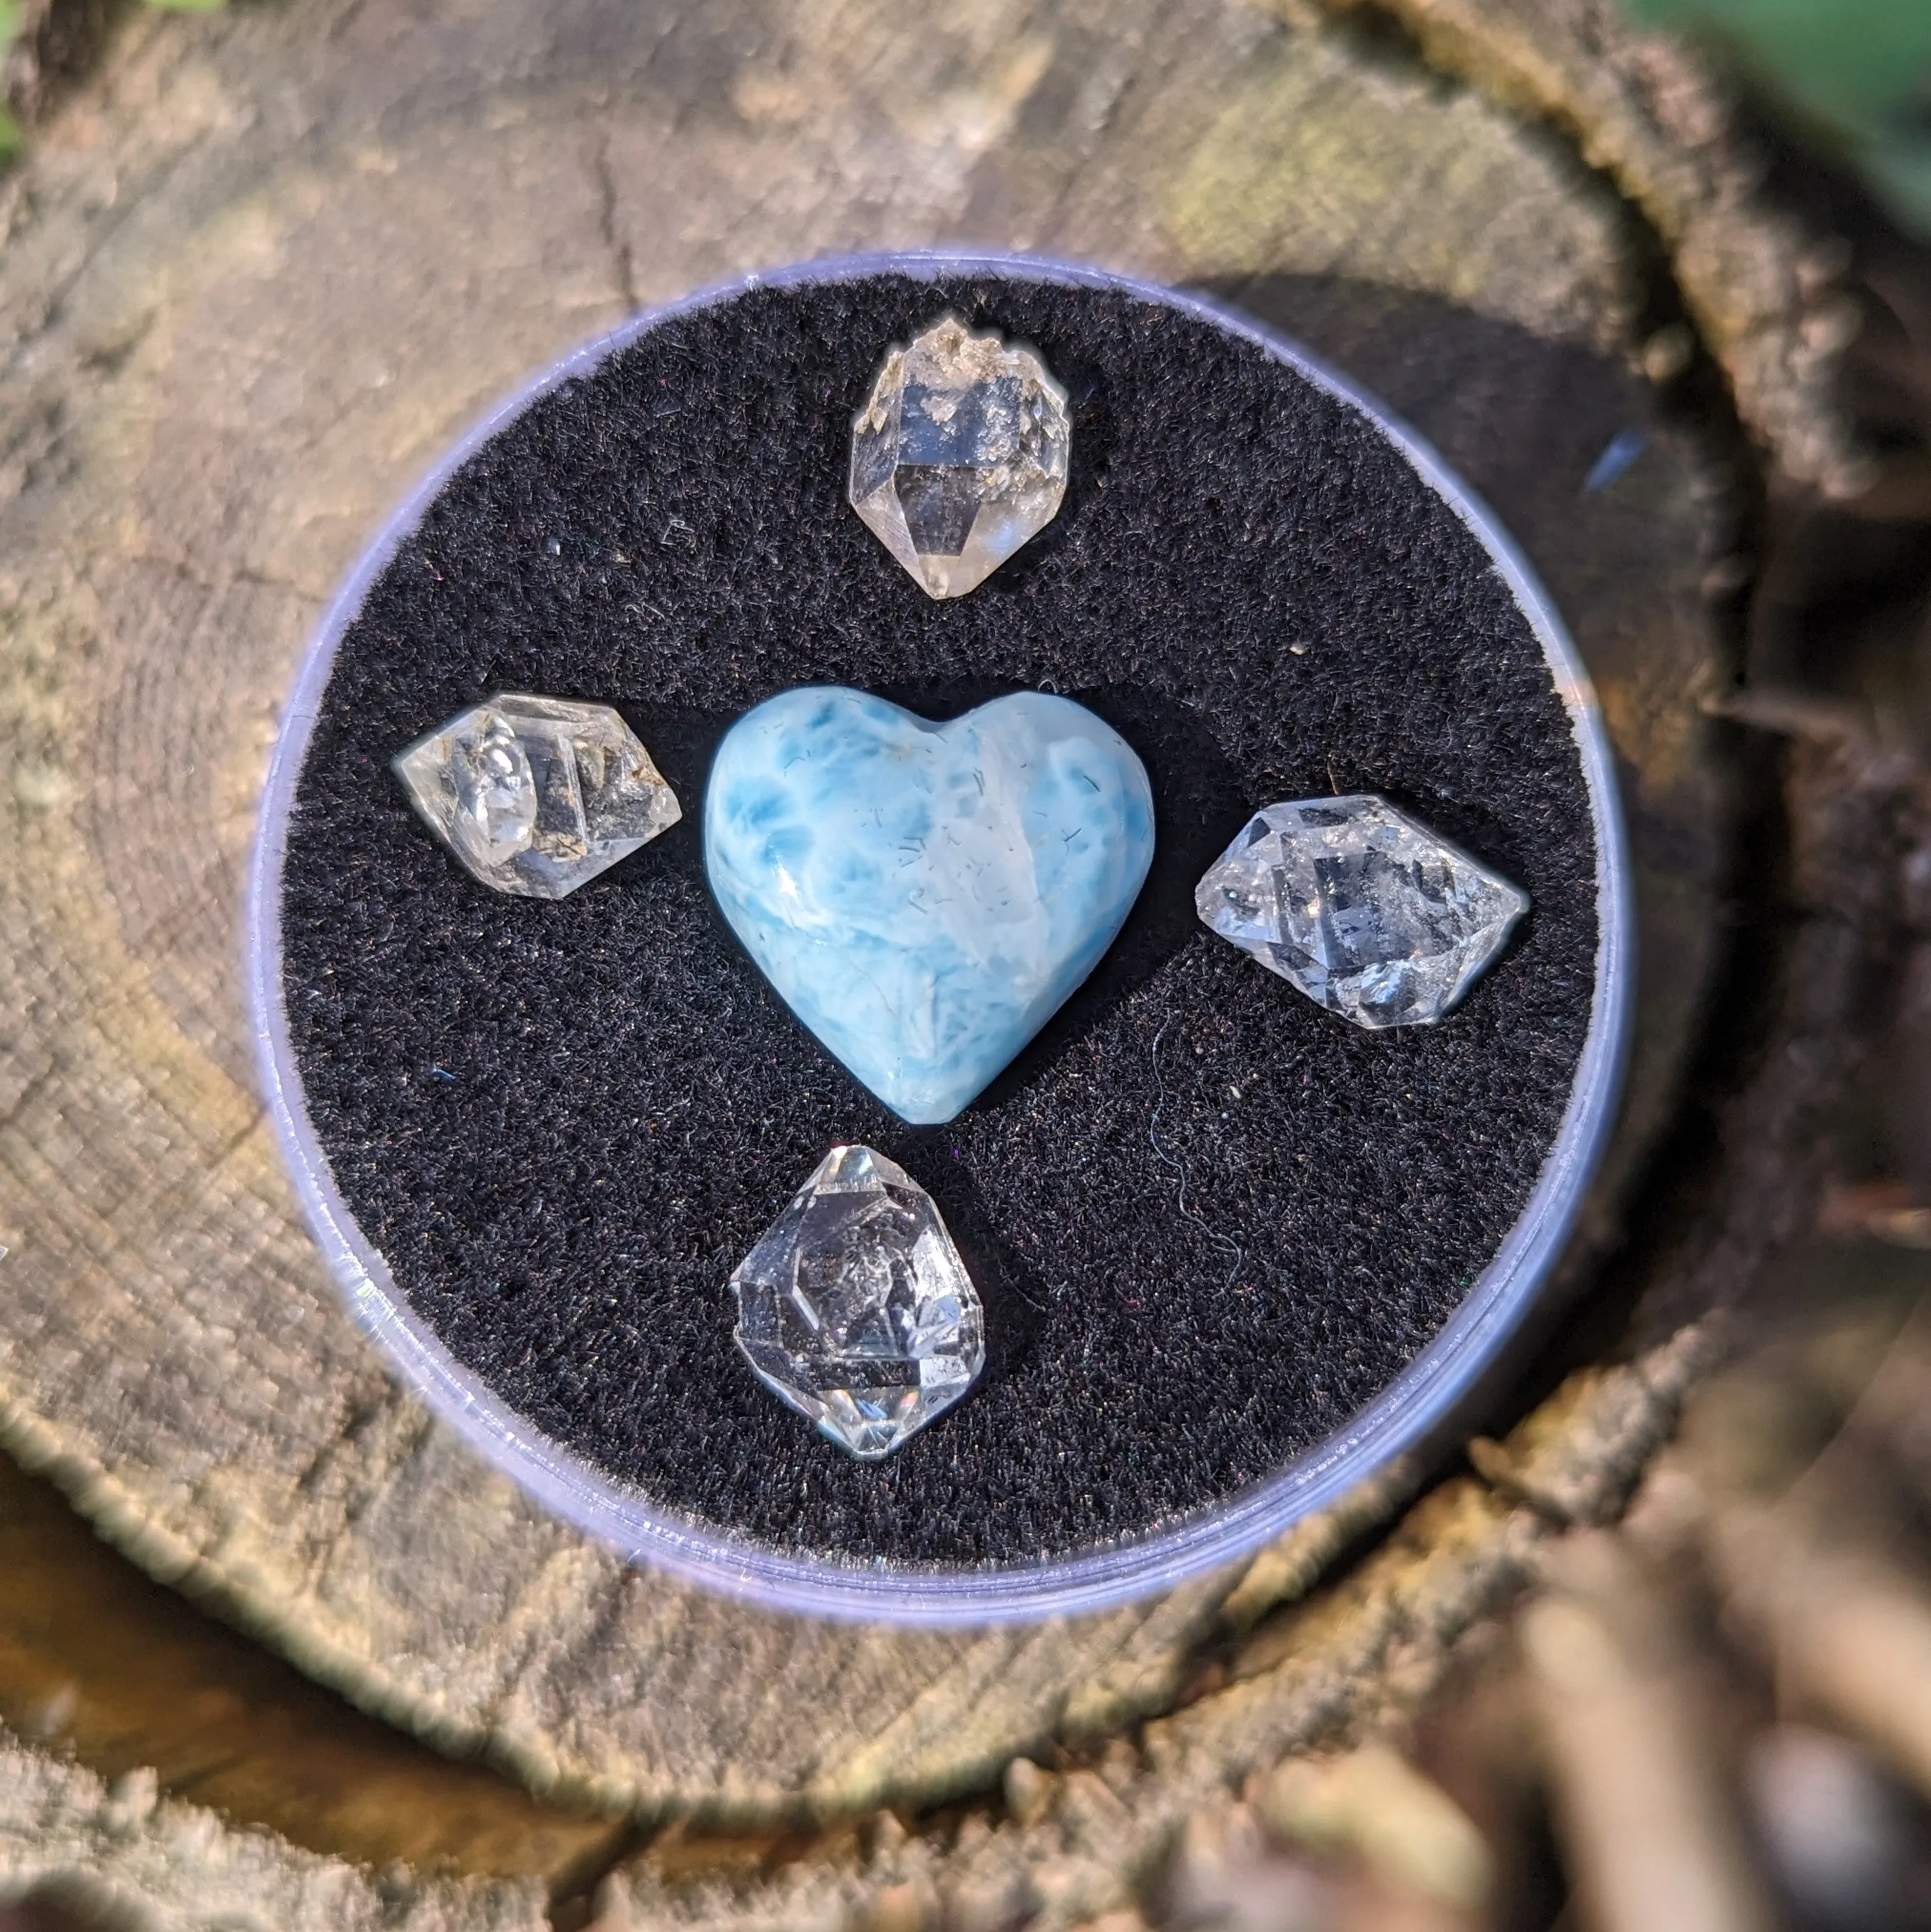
(959, 455)
(536, 795)
(855, 1308)
(1367, 913)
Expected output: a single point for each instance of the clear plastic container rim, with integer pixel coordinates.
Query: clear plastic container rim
(1407, 1413)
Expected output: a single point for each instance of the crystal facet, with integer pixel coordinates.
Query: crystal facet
(959, 454)
(855, 1309)
(925, 896)
(536, 795)
(1367, 913)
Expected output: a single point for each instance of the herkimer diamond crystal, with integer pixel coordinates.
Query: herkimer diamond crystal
(959, 454)
(536, 795)
(855, 1308)
(1367, 913)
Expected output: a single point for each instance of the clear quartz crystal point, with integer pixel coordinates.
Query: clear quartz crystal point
(536, 795)
(855, 1309)
(1369, 913)
(959, 454)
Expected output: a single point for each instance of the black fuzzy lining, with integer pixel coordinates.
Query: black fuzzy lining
(1209, 1220)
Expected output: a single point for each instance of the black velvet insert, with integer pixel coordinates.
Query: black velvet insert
(1209, 1220)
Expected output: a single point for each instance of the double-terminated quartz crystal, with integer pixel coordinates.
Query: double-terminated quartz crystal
(855, 1307)
(1367, 912)
(536, 795)
(959, 455)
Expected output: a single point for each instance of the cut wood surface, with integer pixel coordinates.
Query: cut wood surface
(259, 268)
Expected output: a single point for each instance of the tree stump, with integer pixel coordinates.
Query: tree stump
(260, 268)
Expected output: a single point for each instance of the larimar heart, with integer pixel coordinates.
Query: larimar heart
(925, 896)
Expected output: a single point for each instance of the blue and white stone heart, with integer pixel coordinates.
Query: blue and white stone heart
(925, 896)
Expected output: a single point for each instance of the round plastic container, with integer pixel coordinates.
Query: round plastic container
(1422, 1402)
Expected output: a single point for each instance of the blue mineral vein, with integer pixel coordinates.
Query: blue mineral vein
(924, 897)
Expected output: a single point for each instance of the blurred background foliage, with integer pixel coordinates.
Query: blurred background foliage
(23, 22)
(1854, 75)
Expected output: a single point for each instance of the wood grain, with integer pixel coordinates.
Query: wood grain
(132, 1678)
(77, 1853)
(257, 271)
